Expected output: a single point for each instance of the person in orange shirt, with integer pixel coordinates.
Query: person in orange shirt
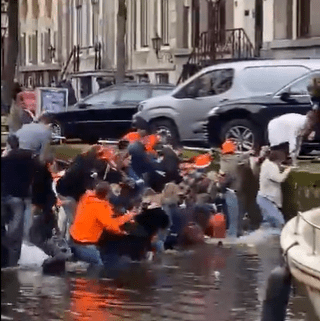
(94, 216)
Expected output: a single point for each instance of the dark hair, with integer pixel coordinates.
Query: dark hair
(102, 189)
(276, 155)
(13, 141)
(45, 118)
(16, 90)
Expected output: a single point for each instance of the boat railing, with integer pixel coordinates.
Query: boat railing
(314, 230)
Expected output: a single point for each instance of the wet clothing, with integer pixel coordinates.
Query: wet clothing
(270, 182)
(270, 212)
(12, 221)
(92, 217)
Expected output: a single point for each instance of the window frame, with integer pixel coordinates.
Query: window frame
(127, 90)
(116, 90)
(182, 94)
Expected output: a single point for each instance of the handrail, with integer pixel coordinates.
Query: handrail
(314, 227)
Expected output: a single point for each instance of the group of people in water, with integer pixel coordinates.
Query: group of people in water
(136, 199)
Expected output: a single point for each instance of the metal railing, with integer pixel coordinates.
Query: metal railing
(314, 229)
(75, 54)
(213, 46)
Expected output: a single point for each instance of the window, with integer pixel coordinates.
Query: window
(134, 20)
(165, 21)
(23, 49)
(300, 87)
(136, 94)
(105, 97)
(161, 92)
(144, 23)
(79, 25)
(212, 83)
(303, 18)
(162, 78)
(30, 49)
(185, 35)
(262, 80)
(95, 22)
(42, 45)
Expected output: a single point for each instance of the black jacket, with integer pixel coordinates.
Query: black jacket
(17, 173)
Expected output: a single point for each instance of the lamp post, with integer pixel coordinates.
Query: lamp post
(156, 44)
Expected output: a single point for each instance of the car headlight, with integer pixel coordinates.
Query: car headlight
(213, 111)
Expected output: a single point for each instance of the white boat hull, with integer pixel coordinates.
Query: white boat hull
(304, 257)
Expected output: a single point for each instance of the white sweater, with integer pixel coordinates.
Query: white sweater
(270, 181)
(286, 128)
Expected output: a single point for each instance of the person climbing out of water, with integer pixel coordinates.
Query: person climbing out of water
(294, 128)
(269, 197)
(94, 214)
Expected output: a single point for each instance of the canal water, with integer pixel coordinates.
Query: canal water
(208, 283)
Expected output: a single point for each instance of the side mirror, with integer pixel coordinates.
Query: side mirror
(285, 96)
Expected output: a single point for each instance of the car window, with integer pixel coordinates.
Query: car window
(269, 79)
(105, 97)
(161, 92)
(134, 94)
(211, 83)
(300, 87)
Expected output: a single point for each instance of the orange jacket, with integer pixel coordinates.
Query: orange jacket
(93, 215)
(132, 137)
(150, 142)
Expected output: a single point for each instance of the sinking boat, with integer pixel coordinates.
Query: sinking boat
(300, 241)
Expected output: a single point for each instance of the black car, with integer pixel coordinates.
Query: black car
(246, 120)
(106, 114)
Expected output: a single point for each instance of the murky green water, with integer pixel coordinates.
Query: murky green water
(216, 284)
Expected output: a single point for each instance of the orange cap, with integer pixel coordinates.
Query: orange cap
(228, 147)
(203, 161)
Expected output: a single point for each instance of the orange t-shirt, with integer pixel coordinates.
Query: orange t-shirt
(93, 215)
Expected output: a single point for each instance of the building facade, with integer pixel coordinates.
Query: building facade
(291, 29)
(39, 62)
(77, 39)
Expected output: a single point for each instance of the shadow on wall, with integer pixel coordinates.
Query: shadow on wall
(301, 192)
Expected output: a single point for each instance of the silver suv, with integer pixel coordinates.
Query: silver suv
(183, 112)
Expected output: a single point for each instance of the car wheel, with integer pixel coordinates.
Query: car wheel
(167, 130)
(243, 133)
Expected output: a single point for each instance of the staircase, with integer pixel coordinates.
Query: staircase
(75, 55)
(216, 47)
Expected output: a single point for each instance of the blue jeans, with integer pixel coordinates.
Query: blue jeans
(86, 253)
(12, 221)
(270, 212)
(233, 212)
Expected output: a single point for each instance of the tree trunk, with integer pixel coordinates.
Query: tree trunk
(121, 50)
(12, 52)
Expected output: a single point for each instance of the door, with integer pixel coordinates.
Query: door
(118, 118)
(93, 112)
(195, 100)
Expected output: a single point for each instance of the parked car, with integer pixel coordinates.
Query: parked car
(106, 114)
(245, 121)
(183, 112)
